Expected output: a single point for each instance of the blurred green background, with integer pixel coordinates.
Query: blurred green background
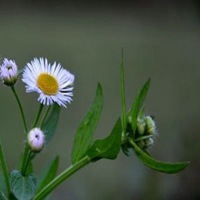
(161, 40)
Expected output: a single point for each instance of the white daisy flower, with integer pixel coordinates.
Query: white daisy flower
(52, 82)
(36, 139)
(8, 72)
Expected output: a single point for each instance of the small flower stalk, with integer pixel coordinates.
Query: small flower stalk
(36, 139)
(8, 72)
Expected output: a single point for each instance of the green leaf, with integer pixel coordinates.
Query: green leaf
(48, 175)
(137, 105)
(4, 178)
(123, 99)
(49, 126)
(85, 131)
(135, 111)
(164, 167)
(108, 147)
(3, 196)
(23, 187)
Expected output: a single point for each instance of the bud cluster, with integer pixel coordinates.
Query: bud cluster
(145, 132)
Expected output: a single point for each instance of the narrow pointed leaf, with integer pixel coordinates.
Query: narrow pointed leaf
(123, 99)
(154, 164)
(137, 104)
(135, 111)
(23, 187)
(49, 126)
(109, 147)
(48, 175)
(85, 131)
(4, 178)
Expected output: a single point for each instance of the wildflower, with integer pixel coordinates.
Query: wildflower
(8, 72)
(36, 139)
(52, 82)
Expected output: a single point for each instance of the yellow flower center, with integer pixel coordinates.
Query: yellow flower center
(48, 84)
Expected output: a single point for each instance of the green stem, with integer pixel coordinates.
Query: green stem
(123, 99)
(45, 116)
(5, 170)
(27, 150)
(60, 178)
(26, 159)
(20, 107)
(38, 115)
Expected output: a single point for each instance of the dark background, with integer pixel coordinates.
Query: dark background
(161, 40)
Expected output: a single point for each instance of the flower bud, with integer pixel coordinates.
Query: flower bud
(148, 142)
(8, 72)
(140, 126)
(36, 139)
(150, 125)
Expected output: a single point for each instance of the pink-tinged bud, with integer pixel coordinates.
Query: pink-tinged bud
(8, 72)
(36, 139)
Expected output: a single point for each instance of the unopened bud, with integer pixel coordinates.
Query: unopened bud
(150, 125)
(8, 72)
(140, 126)
(36, 139)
